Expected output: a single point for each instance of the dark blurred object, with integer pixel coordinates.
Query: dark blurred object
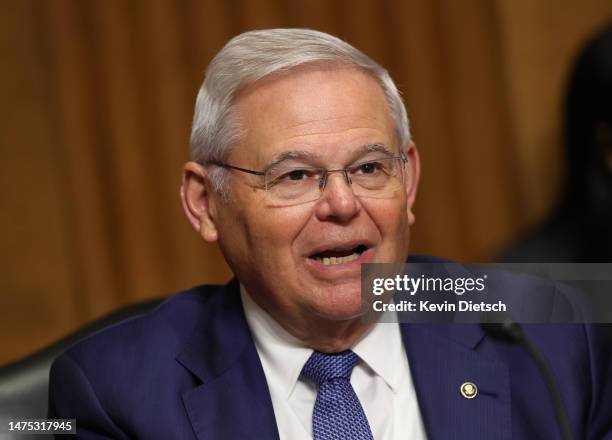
(24, 384)
(511, 332)
(580, 230)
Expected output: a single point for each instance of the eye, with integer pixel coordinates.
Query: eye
(294, 175)
(369, 167)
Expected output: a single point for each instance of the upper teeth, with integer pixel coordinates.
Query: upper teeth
(337, 260)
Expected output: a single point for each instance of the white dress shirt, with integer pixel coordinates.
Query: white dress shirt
(381, 379)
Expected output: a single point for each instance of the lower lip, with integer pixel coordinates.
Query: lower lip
(365, 257)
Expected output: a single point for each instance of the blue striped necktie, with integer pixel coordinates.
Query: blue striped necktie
(337, 414)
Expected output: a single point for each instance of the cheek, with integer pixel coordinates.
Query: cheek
(271, 261)
(390, 215)
(271, 232)
(391, 220)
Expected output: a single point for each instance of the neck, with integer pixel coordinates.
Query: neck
(318, 333)
(329, 336)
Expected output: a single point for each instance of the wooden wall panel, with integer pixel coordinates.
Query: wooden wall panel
(480, 138)
(71, 109)
(36, 283)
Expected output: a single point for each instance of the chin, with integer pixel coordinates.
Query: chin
(347, 315)
(340, 305)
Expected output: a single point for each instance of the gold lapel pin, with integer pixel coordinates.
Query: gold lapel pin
(468, 390)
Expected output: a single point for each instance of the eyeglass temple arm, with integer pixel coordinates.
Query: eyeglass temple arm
(244, 170)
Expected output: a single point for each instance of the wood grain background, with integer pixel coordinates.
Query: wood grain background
(96, 104)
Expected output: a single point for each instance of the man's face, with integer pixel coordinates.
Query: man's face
(327, 116)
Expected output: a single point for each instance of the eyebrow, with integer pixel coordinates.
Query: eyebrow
(293, 154)
(377, 148)
(309, 156)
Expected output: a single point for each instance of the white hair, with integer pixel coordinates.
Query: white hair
(254, 55)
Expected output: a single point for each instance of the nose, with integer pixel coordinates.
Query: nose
(338, 202)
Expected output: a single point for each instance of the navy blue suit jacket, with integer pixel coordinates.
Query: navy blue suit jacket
(190, 370)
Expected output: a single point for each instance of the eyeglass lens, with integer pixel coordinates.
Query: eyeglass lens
(375, 179)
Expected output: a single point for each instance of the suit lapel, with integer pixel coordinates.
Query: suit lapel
(233, 401)
(441, 359)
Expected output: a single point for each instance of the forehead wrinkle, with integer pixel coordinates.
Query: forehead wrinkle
(292, 154)
(332, 118)
(331, 132)
(321, 126)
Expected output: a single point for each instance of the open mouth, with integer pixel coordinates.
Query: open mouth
(339, 256)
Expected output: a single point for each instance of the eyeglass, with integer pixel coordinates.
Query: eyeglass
(378, 178)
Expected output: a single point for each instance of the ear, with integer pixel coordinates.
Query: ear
(412, 178)
(196, 199)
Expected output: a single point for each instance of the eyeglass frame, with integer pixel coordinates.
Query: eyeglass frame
(326, 172)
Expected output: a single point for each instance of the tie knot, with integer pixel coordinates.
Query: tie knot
(322, 367)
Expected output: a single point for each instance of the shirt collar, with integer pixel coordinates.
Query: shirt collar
(381, 349)
(283, 355)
